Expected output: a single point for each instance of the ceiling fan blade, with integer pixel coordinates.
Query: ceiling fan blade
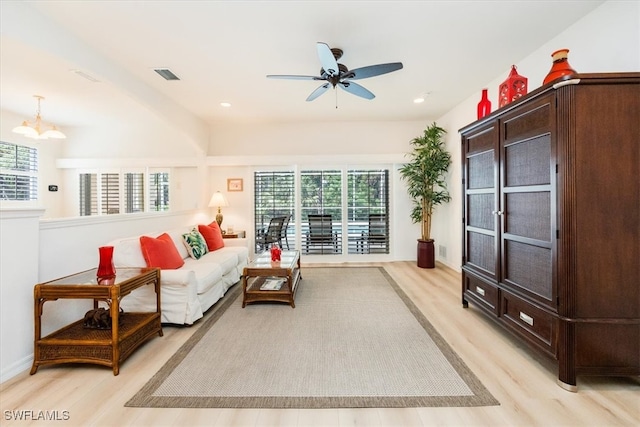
(319, 91)
(292, 77)
(373, 70)
(357, 90)
(328, 61)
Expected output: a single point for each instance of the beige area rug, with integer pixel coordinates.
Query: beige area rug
(353, 340)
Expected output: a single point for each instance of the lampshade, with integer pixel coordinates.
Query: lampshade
(218, 200)
(35, 130)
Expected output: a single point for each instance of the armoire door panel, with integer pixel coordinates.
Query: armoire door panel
(530, 121)
(529, 268)
(481, 171)
(528, 162)
(528, 215)
(481, 253)
(480, 209)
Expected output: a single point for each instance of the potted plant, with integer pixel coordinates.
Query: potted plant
(425, 178)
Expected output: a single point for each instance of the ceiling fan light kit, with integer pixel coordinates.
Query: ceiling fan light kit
(334, 74)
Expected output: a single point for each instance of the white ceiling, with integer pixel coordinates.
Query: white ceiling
(222, 51)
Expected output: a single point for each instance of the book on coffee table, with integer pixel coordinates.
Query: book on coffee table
(272, 284)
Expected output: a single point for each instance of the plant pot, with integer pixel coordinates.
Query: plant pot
(426, 254)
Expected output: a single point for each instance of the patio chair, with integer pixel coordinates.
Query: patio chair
(321, 232)
(376, 235)
(284, 239)
(273, 233)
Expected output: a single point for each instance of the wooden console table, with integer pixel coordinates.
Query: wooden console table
(109, 347)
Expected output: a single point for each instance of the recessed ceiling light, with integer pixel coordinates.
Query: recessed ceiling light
(420, 99)
(225, 104)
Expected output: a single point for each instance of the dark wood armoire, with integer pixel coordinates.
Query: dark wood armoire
(551, 222)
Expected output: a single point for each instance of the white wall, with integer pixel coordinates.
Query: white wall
(19, 246)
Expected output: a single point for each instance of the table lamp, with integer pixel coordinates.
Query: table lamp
(218, 200)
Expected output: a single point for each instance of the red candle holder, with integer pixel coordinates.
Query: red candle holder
(513, 88)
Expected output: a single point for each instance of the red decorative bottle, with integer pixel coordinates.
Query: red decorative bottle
(106, 270)
(484, 106)
(560, 66)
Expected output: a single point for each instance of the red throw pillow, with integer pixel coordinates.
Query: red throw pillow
(212, 235)
(161, 252)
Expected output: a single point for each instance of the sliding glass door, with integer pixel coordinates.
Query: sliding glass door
(323, 206)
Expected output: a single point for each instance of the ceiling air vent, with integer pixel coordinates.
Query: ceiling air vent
(166, 74)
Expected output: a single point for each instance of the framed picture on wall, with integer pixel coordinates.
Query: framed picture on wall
(234, 184)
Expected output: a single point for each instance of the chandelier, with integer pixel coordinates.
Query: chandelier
(35, 130)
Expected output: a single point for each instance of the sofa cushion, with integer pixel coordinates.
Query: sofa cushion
(207, 274)
(212, 235)
(161, 252)
(225, 258)
(195, 244)
(127, 253)
(176, 236)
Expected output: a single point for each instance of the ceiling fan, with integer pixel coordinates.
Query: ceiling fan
(335, 74)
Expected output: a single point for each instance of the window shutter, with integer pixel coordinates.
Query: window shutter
(110, 193)
(18, 172)
(159, 191)
(88, 194)
(274, 196)
(133, 192)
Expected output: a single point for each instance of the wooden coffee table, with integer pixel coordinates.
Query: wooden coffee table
(262, 271)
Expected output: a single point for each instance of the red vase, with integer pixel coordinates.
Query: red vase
(560, 66)
(484, 106)
(106, 270)
(275, 253)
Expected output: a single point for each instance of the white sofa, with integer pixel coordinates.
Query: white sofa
(189, 291)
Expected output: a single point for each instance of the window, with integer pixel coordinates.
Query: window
(105, 194)
(274, 196)
(159, 191)
(109, 193)
(133, 192)
(321, 194)
(18, 172)
(333, 203)
(368, 208)
(88, 194)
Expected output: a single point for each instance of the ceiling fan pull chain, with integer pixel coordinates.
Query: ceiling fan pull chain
(334, 89)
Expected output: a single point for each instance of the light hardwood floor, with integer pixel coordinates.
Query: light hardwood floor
(520, 379)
